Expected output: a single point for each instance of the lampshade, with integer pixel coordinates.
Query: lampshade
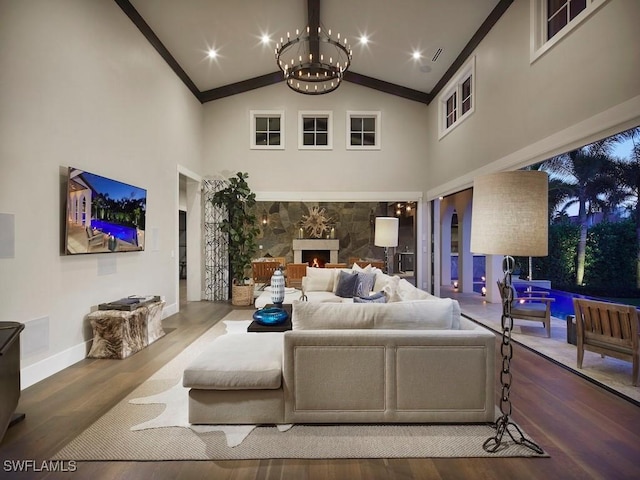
(509, 215)
(386, 232)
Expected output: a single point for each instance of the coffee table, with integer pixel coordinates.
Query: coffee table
(281, 327)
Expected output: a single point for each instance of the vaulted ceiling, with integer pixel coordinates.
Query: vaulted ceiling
(413, 48)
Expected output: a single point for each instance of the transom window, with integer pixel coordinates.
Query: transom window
(552, 20)
(315, 131)
(561, 12)
(267, 129)
(363, 130)
(456, 102)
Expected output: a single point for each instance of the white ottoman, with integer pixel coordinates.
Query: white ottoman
(237, 380)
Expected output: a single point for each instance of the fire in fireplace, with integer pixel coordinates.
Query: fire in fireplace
(316, 258)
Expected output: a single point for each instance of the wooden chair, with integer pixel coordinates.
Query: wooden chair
(529, 307)
(262, 271)
(609, 329)
(294, 274)
(95, 237)
(335, 265)
(281, 260)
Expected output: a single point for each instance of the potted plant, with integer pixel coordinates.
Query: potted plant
(241, 228)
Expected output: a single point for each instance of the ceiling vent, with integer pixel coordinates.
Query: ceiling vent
(436, 55)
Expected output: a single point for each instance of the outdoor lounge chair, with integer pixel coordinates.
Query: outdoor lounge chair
(609, 329)
(529, 306)
(94, 237)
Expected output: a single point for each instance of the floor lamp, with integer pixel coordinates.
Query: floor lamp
(509, 217)
(386, 235)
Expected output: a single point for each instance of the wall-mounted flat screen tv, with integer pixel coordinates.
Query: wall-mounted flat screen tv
(103, 215)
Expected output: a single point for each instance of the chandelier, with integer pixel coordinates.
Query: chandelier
(313, 63)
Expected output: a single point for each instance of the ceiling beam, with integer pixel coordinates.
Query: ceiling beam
(386, 87)
(153, 39)
(313, 19)
(241, 87)
(466, 52)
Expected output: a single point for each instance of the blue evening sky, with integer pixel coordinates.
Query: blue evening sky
(116, 190)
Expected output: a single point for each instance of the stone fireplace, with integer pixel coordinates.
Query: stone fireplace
(316, 245)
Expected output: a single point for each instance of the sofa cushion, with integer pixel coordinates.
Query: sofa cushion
(323, 316)
(366, 281)
(347, 284)
(433, 314)
(319, 280)
(242, 361)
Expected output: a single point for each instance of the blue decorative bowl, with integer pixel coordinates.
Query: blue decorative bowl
(270, 316)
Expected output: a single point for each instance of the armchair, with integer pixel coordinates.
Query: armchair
(95, 237)
(529, 307)
(608, 329)
(262, 271)
(294, 274)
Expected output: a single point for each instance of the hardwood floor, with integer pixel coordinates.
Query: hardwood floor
(587, 431)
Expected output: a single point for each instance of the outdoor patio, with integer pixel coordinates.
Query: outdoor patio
(611, 373)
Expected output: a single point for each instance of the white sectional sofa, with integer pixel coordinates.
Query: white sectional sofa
(321, 284)
(408, 360)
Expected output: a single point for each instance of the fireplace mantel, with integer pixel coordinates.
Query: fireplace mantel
(299, 245)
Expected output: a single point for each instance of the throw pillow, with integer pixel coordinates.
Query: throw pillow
(319, 280)
(375, 298)
(365, 283)
(347, 285)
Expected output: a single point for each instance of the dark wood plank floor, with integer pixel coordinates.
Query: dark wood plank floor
(588, 432)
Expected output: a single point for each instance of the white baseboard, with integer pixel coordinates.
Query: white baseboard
(53, 364)
(58, 362)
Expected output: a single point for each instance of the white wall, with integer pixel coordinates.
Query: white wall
(82, 87)
(398, 166)
(585, 88)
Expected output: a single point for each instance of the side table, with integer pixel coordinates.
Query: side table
(121, 333)
(281, 327)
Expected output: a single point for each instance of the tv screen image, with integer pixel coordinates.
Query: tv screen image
(103, 215)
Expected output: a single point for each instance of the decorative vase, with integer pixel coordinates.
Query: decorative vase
(277, 288)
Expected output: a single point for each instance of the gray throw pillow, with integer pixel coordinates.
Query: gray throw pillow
(366, 281)
(375, 298)
(347, 284)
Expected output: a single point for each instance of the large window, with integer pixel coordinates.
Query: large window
(315, 131)
(267, 129)
(363, 130)
(552, 20)
(457, 101)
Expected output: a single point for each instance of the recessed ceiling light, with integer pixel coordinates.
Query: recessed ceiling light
(364, 40)
(265, 39)
(212, 53)
(416, 55)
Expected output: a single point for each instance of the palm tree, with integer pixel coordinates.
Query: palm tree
(627, 172)
(582, 177)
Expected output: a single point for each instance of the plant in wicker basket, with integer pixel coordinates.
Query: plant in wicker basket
(241, 225)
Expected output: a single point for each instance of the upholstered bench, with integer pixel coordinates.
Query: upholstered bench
(237, 380)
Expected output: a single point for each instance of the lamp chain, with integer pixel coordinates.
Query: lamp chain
(503, 424)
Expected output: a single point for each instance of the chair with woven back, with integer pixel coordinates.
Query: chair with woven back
(533, 306)
(610, 329)
(294, 274)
